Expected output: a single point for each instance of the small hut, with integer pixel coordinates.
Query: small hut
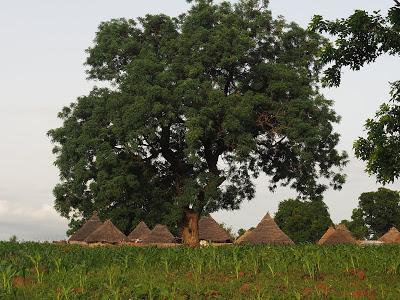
(341, 235)
(266, 232)
(140, 232)
(107, 233)
(243, 236)
(82, 233)
(211, 231)
(159, 235)
(391, 237)
(325, 236)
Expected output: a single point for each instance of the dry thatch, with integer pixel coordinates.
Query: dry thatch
(140, 232)
(106, 233)
(341, 235)
(267, 232)
(391, 237)
(210, 230)
(90, 226)
(327, 234)
(159, 234)
(243, 236)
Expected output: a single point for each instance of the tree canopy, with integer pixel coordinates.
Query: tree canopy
(376, 213)
(360, 40)
(303, 221)
(198, 106)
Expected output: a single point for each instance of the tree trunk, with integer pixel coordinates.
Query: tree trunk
(190, 228)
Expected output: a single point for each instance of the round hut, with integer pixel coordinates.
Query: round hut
(266, 232)
(340, 235)
(159, 235)
(212, 232)
(325, 236)
(391, 237)
(87, 228)
(107, 233)
(138, 234)
(241, 238)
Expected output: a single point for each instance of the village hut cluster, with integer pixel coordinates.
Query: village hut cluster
(94, 232)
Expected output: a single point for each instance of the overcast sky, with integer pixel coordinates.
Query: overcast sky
(42, 47)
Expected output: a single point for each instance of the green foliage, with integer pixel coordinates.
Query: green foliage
(377, 212)
(240, 232)
(360, 40)
(303, 221)
(230, 272)
(381, 146)
(357, 225)
(199, 106)
(13, 239)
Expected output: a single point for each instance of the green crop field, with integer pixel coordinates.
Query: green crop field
(50, 271)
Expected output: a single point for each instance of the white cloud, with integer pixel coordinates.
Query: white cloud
(29, 222)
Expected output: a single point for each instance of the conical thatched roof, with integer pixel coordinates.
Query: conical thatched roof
(159, 234)
(391, 237)
(326, 235)
(342, 227)
(139, 233)
(243, 236)
(210, 230)
(341, 235)
(82, 233)
(267, 232)
(106, 233)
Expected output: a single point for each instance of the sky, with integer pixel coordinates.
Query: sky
(42, 47)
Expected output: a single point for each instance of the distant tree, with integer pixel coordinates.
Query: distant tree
(303, 221)
(13, 239)
(377, 212)
(241, 231)
(360, 40)
(199, 106)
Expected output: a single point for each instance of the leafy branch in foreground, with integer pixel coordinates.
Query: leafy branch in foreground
(360, 40)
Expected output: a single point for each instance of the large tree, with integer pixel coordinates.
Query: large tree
(376, 213)
(360, 40)
(197, 107)
(303, 221)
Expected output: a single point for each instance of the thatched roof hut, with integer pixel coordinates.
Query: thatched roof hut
(391, 237)
(160, 234)
(210, 230)
(267, 232)
(90, 226)
(243, 236)
(341, 235)
(107, 233)
(325, 236)
(140, 232)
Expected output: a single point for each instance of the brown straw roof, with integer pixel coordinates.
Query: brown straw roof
(325, 236)
(210, 230)
(140, 232)
(90, 226)
(391, 237)
(159, 234)
(106, 233)
(243, 236)
(267, 232)
(341, 235)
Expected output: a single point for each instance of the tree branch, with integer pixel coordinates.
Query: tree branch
(165, 150)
